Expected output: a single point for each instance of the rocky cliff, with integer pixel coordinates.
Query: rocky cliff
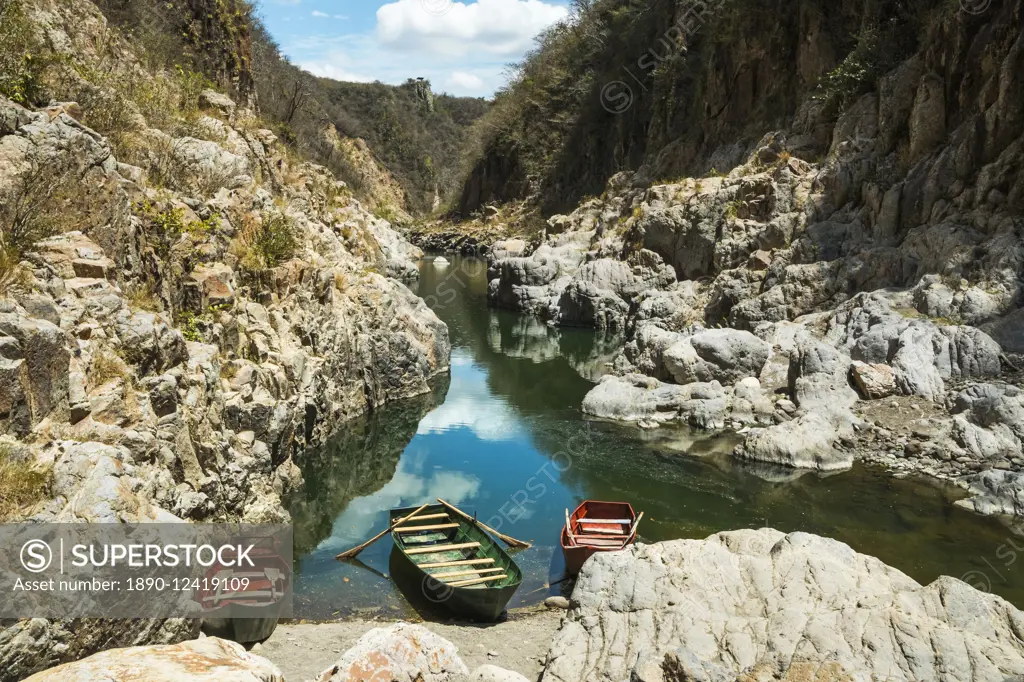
(849, 287)
(184, 311)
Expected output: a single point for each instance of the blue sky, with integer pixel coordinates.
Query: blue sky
(461, 47)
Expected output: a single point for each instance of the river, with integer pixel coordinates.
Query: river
(503, 437)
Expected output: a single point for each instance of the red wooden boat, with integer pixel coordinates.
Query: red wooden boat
(243, 605)
(597, 527)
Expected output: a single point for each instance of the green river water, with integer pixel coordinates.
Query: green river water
(503, 437)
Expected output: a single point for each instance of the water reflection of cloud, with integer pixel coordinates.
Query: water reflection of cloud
(409, 486)
(471, 405)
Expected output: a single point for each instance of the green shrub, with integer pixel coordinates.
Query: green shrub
(188, 323)
(169, 224)
(877, 51)
(21, 66)
(267, 242)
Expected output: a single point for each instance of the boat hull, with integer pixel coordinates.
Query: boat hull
(244, 627)
(466, 604)
(483, 603)
(576, 555)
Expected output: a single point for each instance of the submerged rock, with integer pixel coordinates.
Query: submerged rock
(760, 604)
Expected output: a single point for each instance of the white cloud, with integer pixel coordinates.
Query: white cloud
(335, 63)
(463, 52)
(470, 405)
(318, 13)
(493, 27)
(462, 81)
(409, 486)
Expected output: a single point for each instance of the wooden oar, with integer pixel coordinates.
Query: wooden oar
(568, 528)
(632, 531)
(507, 539)
(349, 553)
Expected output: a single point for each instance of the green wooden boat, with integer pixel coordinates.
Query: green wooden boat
(456, 563)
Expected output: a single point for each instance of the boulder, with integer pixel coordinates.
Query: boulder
(873, 381)
(217, 101)
(400, 256)
(97, 484)
(724, 355)
(149, 341)
(72, 254)
(823, 396)
(208, 163)
(807, 442)
(763, 605)
(635, 397)
(922, 354)
(402, 652)
(702, 405)
(818, 378)
(210, 285)
(683, 237)
(507, 248)
(202, 660)
(33, 645)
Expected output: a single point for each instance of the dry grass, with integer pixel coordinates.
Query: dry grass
(37, 204)
(21, 485)
(13, 277)
(106, 366)
(142, 296)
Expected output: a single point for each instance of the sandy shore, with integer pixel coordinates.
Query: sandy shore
(520, 643)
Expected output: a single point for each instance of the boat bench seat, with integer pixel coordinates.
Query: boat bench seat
(597, 542)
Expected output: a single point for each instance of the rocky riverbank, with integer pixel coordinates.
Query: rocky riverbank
(849, 289)
(184, 311)
(739, 605)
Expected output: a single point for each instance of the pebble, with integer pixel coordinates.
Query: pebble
(556, 602)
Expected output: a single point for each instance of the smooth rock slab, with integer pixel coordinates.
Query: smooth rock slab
(762, 605)
(201, 660)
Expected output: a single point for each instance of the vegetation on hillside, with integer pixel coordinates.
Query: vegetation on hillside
(417, 136)
(197, 44)
(620, 84)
